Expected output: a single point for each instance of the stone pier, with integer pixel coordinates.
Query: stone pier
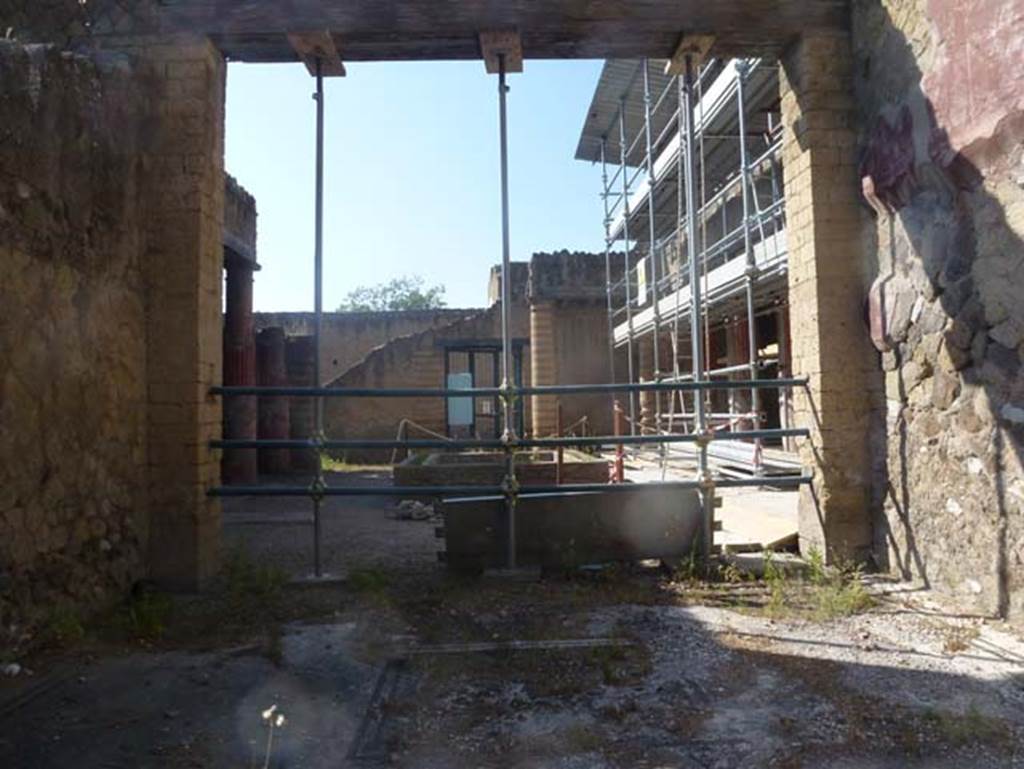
(543, 365)
(830, 343)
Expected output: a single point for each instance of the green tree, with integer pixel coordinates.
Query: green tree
(405, 293)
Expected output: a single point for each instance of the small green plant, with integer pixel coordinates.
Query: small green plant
(63, 626)
(246, 579)
(582, 739)
(841, 594)
(775, 579)
(145, 616)
(816, 567)
(731, 574)
(368, 580)
(689, 569)
(610, 659)
(972, 727)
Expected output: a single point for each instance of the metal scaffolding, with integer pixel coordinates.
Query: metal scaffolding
(703, 264)
(697, 385)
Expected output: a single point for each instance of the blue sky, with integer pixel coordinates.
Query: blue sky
(411, 173)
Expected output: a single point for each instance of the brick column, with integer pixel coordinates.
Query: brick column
(738, 353)
(239, 465)
(829, 341)
(645, 372)
(300, 355)
(543, 366)
(184, 197)
(272, 371)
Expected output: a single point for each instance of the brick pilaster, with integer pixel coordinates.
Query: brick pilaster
(543, 366)
(826, 289)
(184, 189)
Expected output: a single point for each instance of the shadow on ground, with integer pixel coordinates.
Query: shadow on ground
(414, 668)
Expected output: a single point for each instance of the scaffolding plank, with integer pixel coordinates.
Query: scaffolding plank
(495, 43)
(696, 47)
(313, 46)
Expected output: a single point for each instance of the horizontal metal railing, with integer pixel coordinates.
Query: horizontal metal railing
(496, 443)
(496, 491)
(492, 392)
(324, 444)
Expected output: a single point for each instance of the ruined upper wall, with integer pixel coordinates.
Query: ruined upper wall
(73, 397)
(414, 360)
(520, 279)
(239, 220)
(568, 276)
(348, 337)
(941, 93)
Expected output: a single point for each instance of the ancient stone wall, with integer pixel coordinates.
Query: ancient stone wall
(348, 337)
(569, 335)
(73, 394)
(414, 360)
(239, 219)
(940, 89)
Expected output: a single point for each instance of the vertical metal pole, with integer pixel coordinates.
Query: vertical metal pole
(742, 69)
(318, 280)
(472, 383)
(508, 401)
(651, 254)
(696, 332)
(625, 240)
(560, 455)
(608, 263)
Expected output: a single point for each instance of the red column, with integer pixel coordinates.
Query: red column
(239, 465)
(273, 410)
(299, 359)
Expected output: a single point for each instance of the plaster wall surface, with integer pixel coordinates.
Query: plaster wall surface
(940, 90)
(73, 389)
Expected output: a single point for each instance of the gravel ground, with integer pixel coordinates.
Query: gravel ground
(677, 683)
(357, 532)
(402, 665)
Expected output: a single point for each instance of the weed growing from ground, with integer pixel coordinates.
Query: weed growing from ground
(690, 568)
(247, 580)
(369, 580)
(63, 626)
(144, 617)
(824, 593)
(972, 727)
(775, 579)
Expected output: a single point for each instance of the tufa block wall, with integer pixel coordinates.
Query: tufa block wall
(73, 389)
(111, 200)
